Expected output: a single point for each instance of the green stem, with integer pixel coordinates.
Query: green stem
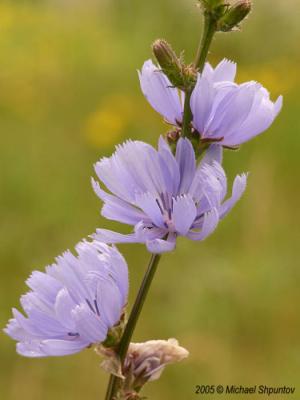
(133, 318)
(187, 115)
(207, 36)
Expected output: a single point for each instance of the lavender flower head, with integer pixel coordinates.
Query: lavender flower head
(73, 304)
(164, 196)
(223, 111)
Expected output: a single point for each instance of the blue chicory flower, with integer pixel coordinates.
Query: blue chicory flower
(163, 196)
(73, 304)
(223, 111)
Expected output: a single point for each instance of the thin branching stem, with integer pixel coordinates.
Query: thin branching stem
(202, 52)
(114, 381)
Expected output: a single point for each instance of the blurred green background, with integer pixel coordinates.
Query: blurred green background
(68, 93)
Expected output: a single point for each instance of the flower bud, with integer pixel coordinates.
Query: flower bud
(146, 361)
(214, 8)
(173, 135)
(234, 15)
(169, 62)
(211, 4)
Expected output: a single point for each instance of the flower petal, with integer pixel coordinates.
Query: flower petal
(261, 116)
(213, 153)
(15, 331)
(184, 213)
(51, 347)
(225, 71)
(201, 102)
(45, 285)
(169, 166)
(116, 267)
(110, 311)
(159, 246)
(91, 328)
(30, 349)
(149, 204)
(239, 186)
(115, 208)
(160, 93)
(210, 223)
(107, 236)
(185, 157)
(235, 111)
(62, 347)
(63, 307)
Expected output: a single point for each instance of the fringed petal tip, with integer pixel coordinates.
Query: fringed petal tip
(225, 71)
(96, 187)
(239, 186)
(278, 106)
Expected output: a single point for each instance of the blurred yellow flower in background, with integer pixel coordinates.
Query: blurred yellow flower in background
(107, 125)
(7, 17)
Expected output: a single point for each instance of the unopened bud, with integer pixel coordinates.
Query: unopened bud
(234, 16)
(190, 75)
(173, 135)
(168, 61)
(214, 8)
(211, 4)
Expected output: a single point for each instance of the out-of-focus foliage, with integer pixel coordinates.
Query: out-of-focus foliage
(68, 93)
